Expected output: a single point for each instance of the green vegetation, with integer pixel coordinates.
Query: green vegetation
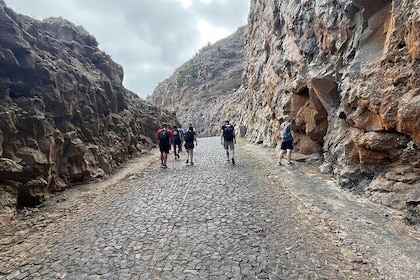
(205, 48)
(188, 70)
(412, 214)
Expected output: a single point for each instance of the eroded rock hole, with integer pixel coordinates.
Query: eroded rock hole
(310, 121)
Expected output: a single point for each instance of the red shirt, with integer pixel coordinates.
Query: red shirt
(167, 130)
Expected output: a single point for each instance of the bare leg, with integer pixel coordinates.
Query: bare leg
(174, 146)
(192, 155)
(288, 155)
(165, 158)
(280, 155)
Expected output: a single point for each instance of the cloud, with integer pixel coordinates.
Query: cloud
(149, 38)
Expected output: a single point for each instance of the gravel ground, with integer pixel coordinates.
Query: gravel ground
(213, 220)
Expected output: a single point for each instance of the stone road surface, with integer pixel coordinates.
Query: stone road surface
(213, 220)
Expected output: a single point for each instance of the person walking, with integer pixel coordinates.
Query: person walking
(287, 140)
(228, 140)
(190, 137)
(164, 136)
(176, 143)
(181, 134)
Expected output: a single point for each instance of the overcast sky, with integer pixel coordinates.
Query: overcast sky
(149, 38)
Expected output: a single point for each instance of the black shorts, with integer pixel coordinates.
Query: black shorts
(164, 148)
(189, 146)
(287, 145)
(177, 142)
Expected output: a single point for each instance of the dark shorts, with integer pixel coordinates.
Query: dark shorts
(189, 146)
(228, 145)
(164, 148)
(177, 142)
(288, 145)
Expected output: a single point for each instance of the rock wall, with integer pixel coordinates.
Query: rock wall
(199, 90)
(65, 117)
(348, 74)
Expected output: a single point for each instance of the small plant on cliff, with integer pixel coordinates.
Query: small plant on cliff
(412, 214)
(188, 70)
(205, 48)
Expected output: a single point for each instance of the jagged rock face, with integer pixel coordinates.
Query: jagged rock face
(198, 90)
(348, 74)
(65, 117)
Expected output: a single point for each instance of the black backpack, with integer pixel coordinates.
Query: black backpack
(164, 136)
(228, 132)
(176, 134)
(189, 136)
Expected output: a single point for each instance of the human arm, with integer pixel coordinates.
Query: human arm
(292, 132)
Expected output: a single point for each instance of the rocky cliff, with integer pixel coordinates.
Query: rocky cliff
(198, 90)
(348, 74)
(65, 117)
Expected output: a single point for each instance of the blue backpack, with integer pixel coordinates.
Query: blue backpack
(286, 131)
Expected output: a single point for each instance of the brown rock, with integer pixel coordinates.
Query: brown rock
(65, 117)
(347, 73)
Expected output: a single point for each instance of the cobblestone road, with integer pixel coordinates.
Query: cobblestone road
(213, 220)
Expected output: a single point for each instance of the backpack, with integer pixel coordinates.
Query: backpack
(189, 136)
(175, 134)
(285, 131)
(181, 132)
(164, 136)
(228, 132)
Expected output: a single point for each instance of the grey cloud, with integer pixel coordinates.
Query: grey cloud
(149, 38)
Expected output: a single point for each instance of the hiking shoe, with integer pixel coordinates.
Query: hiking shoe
(228, 160)
(164, 166)
(187, 161)
(192, 163)
(289, 164)
(233, 161)
(161, 165)
(279, 163)
(177, 155)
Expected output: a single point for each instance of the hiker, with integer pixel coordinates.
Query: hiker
(228, 139)
(176, 143)
(181, 134)
(190, 137)
(164, 136)
(287, 140)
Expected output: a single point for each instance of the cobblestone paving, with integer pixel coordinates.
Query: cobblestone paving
(213, 220)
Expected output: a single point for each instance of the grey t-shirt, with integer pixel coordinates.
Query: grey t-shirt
(286, 131)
